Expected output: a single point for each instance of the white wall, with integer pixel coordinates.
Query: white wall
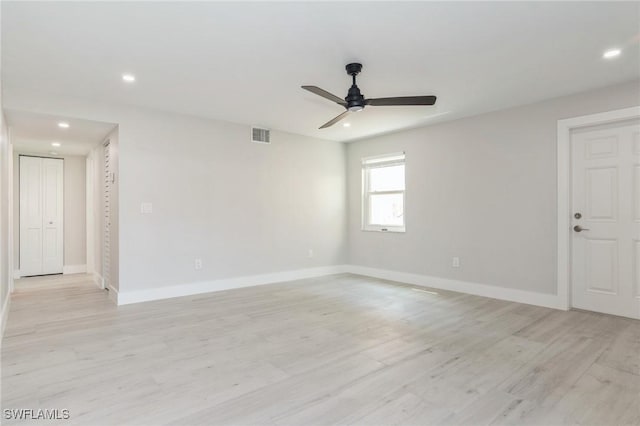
(482, 188)
(242, 207)
(6, 272)
(75, 235)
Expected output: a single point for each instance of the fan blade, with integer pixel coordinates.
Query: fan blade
(321, 92)
(407, 100)
(334, 120)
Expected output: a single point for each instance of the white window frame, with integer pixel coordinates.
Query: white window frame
(378, 161)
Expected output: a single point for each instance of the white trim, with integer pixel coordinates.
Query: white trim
(17, 274)
(477, 289)
(113, 295)
(125, 298)
(98, 280)
(564, 189)
(394, 157)
(5, 315)
(74, 269)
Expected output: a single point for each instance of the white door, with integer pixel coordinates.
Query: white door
(606, 219)
(41, 216)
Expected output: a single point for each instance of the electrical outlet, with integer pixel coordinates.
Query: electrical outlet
(310, 253)
(455, 262)
(198, 263)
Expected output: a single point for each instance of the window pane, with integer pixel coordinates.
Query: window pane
(387, 209)
(386, 178)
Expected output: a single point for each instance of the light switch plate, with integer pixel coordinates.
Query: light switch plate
(146, 208)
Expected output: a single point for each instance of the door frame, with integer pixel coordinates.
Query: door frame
(564, 188)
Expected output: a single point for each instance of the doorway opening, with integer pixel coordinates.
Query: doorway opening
(65, 210)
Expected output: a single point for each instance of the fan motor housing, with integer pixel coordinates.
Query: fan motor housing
(355, 99)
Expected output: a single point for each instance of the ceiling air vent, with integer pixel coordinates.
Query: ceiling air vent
(260, 135)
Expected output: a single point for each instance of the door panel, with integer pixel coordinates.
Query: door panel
(30, 216)
(602, 147)
(52, 248)
(605, 264)
(602, 193)
(602, 268)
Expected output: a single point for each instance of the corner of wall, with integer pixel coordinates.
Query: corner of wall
(4, 315)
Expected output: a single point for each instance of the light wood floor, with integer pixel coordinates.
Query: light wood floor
(334, 350)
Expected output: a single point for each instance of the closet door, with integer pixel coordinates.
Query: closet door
(41, 216)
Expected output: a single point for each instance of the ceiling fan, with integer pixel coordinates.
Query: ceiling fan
(355, 101)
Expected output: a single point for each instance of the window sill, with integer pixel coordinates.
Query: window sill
(384, 229)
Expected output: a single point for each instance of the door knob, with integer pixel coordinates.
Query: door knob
(579, 228)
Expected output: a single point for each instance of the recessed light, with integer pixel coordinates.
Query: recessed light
(346, 124)
(129, 78)
(63, 125)
(56, 144)
(611, 53)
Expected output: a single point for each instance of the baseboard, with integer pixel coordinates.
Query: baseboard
(477, 289)
(125, 298)
(113, 295)
(74, 269)
(5, 315)
(97, 278)
(17, 274)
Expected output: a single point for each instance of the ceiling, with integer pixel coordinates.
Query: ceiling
(34, 133)
(245, 62)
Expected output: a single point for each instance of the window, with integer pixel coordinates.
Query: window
(383, 193)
